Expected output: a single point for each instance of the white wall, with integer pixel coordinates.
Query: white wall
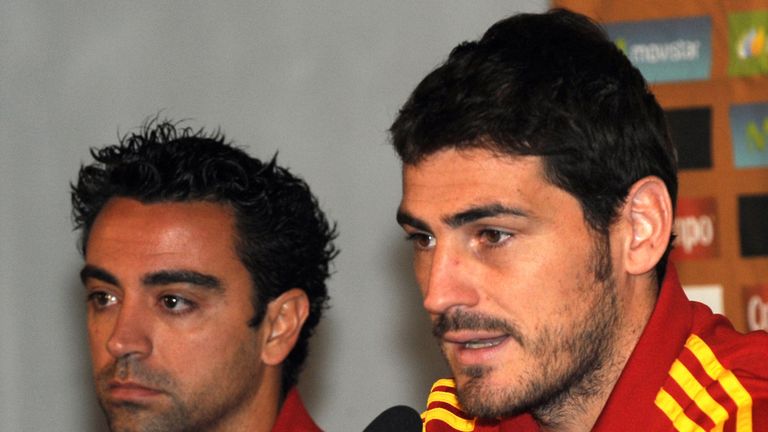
(320, 81)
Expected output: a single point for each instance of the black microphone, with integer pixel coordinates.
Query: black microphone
(399, 418)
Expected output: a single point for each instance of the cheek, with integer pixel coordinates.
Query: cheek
(421, 269)
(529, 294)
(99, 330)
(211, 344)
(214, 359)
(97, 341)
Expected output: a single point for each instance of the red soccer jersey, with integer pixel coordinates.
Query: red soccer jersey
(690, 371)
(293, 416)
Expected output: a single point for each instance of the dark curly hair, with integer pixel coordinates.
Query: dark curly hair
(551, 85)
(282, 236)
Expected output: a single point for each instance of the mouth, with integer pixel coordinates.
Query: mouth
(472, 339)
(483, 343)
(475, 340)
(474, 348)
(131, 391)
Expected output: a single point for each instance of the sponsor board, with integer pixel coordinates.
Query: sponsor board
(710, 295)
(756, 304)
(749, 135)
(666, 50)
(691, 132)
(753, 225)
(747, 48)
(696, 229)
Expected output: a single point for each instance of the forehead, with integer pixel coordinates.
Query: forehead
(180, 234)
(475, 176)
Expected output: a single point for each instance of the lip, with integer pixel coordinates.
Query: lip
(131, 391)
(462, 337)
(475, 347)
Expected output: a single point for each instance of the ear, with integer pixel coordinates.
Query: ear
(285, 317)
(648, 212)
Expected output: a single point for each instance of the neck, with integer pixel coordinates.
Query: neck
(579, 406)
(259, 413)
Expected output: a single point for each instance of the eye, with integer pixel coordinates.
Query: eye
(422, 241)
(494, 237)
(176, 304)
(101, 299)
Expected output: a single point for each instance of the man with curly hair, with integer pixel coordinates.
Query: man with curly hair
(205, 276)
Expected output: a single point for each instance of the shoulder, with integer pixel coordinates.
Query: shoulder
(293, 417)
(713, 338)
(720, 376)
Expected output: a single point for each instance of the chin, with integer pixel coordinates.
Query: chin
(482, 396)
(488, 402)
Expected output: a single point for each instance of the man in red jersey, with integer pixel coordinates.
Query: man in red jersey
(205, 275)
(539, 184)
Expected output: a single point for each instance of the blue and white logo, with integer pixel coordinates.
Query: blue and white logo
(749, 135)
(667, 50)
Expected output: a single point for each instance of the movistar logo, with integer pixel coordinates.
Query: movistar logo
(665, 50)
(621, 43)
(749, 135)
(681, 50)
(756, 135)
(751, 44)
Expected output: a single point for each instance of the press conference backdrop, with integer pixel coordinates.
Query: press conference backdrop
(318, 81)
(707, 62)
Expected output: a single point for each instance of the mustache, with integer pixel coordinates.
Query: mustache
(462, 320)
(127, 367)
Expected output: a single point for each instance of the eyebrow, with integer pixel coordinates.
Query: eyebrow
(169, 277)
(476, 213)
(405, 218)
(159, 278)
(464, 217)
(92, 272)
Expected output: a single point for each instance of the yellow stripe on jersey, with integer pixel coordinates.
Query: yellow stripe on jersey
(451, 419)
(675, 413)
(727, 380)
(441, 396)
(441, 414)
(444, 382)
(699, 395)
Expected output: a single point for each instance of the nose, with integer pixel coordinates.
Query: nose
(450, 281)
(131, 334)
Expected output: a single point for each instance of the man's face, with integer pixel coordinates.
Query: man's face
(518, 287)
(168, 308)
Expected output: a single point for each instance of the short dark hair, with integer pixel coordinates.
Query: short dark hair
(550, 85)
(282, 236)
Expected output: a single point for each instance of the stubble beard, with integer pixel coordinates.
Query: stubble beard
(570, 362)
(139, 417)
(202, 411)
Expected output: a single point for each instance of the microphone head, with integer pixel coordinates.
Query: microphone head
(399, 418)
